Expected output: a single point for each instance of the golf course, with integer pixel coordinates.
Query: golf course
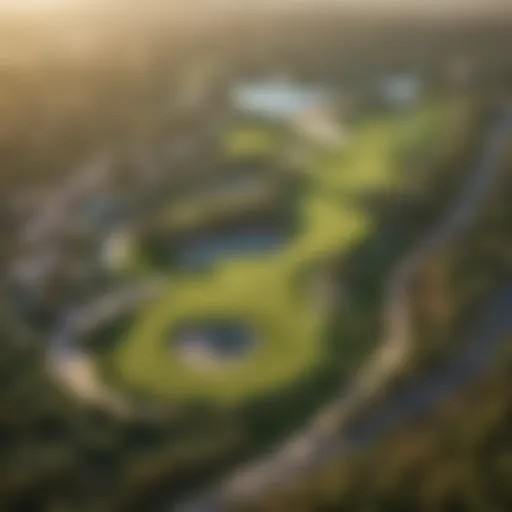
(258, 288)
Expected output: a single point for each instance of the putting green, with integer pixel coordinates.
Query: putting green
(258, 290)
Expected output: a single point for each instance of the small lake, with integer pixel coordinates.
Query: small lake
(204, 250)
(214, 341)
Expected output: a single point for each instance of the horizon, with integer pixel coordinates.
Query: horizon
(412, 6)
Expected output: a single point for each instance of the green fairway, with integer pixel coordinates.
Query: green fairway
(252, 140)
(258, 289)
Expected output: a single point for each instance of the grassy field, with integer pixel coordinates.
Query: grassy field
(259, 290)
(256, 140)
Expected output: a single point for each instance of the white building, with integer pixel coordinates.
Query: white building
(400, 90)
(278, 99)
(117, 250)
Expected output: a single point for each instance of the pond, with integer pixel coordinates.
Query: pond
(201, 251)
(209, 343)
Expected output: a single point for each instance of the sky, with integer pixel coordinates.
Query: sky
(38, 4)
(88, 14)
(20, 5)
(56, 5)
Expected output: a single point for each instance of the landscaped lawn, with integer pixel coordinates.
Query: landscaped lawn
(259, 289)
(256, 140)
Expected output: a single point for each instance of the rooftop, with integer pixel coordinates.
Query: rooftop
(279, 98)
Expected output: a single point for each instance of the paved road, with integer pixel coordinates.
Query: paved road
(69, 361)
(323, 438)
